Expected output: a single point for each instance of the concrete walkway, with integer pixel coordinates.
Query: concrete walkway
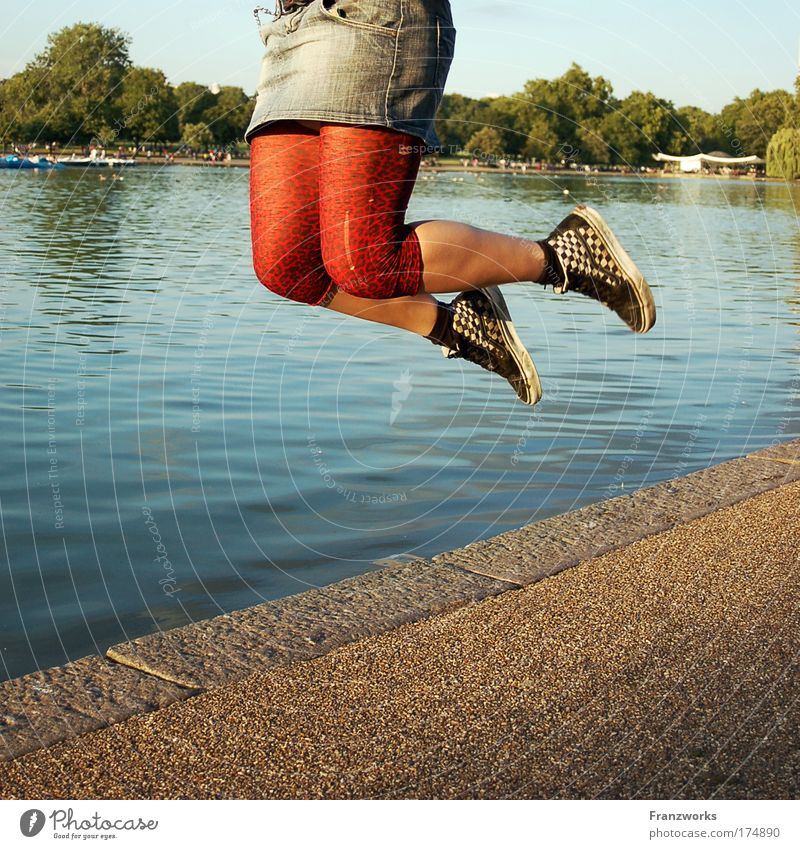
(666, 669)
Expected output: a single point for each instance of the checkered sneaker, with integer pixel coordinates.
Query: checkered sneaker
(486, 336)
(595, 264)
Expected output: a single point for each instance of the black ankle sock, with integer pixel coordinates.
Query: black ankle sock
(443, 332)
(552, 274)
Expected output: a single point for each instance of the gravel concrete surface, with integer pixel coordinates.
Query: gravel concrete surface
(668, 669)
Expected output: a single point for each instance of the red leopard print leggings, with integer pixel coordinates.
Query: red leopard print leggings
(328, 211)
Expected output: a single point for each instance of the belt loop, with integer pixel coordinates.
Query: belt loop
(282, 7)
(273, 12)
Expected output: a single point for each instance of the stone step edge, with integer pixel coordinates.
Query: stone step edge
(50, 705)
(192, 657)
(542, 549)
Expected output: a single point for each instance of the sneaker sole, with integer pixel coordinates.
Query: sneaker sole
(638, 284)
(529, 391)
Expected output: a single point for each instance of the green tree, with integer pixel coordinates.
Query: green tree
(783, 154)
(16, 113)
(148, 106)
(793, 119)
(749, 123)
(581, 96)
(652, 115)
(593, 148)
(70, 90)
(695, 131)
(569, 106)
(456, 121)
(193, 102)
(640, 125)
(229, 115)
(504, 115)
(783, 150)
(542, 140)
(198, 136)
(487, 143)
(544, 115)
(622, 137)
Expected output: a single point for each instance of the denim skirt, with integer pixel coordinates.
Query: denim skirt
(378, 62)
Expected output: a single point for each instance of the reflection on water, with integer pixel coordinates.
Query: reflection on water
(178, 442)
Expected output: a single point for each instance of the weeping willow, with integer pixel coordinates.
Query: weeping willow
(783, 154)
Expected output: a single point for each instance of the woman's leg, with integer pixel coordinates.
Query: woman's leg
(458, 257)
(367, 175)
(285, 228)
(385, 270)
(364, 167)
(415, 313)
(284, 212)
(377, 260)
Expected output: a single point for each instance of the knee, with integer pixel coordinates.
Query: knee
(286, 274)
(272, 271)
(368, 273)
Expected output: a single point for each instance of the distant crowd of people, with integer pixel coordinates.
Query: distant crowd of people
(525, 165)
(211, 155)
(51, 150)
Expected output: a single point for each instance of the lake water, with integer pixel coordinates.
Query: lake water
(177, 442)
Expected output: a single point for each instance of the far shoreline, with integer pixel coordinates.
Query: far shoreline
(452, 168)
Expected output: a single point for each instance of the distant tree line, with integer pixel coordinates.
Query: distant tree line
(577, 118)
(83, 88)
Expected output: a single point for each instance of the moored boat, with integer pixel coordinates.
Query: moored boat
(96, 162)
(18, 163)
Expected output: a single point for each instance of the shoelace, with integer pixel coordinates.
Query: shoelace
(481, 356)
(474, 355)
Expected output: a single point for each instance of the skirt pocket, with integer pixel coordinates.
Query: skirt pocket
(379, 16)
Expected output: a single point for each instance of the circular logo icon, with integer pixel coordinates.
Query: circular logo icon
(31, 822)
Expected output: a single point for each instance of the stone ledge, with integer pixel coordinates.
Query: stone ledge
(229, 647)
(55, 704)
(537, 551)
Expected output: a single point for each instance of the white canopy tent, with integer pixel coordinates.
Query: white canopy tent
(694, 164)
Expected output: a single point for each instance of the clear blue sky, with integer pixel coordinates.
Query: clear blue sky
(702, 53)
